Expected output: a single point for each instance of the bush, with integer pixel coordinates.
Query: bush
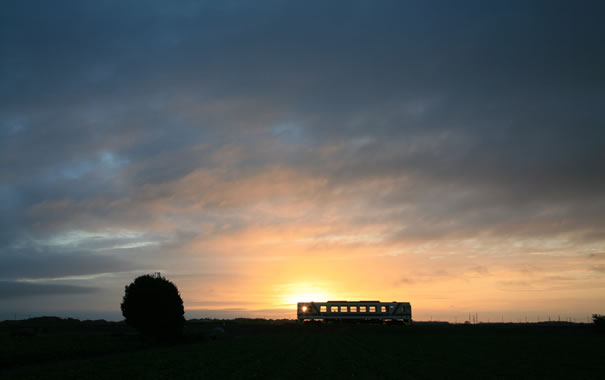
(599, 321)
(152, 305)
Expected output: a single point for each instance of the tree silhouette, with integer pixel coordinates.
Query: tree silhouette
(599, 321)
(152, 304)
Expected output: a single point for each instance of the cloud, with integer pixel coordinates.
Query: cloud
(218, 130)
(49, 264)
(16, 289)
(598, 268)
(480, 270)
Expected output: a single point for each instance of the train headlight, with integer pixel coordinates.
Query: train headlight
(304, 309)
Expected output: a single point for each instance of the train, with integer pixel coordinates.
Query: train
(354, 310)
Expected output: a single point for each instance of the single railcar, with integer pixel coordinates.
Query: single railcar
(355, 310)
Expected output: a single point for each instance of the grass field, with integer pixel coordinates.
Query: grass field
(282, 349)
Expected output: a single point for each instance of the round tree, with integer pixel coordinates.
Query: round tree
(152, 304)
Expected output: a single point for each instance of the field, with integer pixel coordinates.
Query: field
(241, 349)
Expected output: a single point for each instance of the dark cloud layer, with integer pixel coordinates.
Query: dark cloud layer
(13, 289)
(51, 264)
(439, 119)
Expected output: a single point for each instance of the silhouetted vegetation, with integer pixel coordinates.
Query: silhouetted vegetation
(599, 321)
(152, 305)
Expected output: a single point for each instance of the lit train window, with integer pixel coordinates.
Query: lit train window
(363, 309)
(323, 309)
(353, 309)
(383, 309)
(334, 309)
(343, 309)
(372, 309)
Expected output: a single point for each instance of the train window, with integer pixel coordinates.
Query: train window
(383, 309)
(353, 309)
(372, 309)
(363, 309)
(334, 309)
(323, 309)
(343, 309)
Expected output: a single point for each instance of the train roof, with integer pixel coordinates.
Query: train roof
(363, 301)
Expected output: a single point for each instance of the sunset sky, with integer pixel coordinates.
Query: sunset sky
(446, 153)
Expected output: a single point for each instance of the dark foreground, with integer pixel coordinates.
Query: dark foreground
(241, 349)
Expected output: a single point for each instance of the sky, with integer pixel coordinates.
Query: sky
(260, 153)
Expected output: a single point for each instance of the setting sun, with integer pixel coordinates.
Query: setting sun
(302, 292)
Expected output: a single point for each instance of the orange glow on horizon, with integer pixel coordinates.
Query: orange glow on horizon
(293, 293)
(269, 269)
